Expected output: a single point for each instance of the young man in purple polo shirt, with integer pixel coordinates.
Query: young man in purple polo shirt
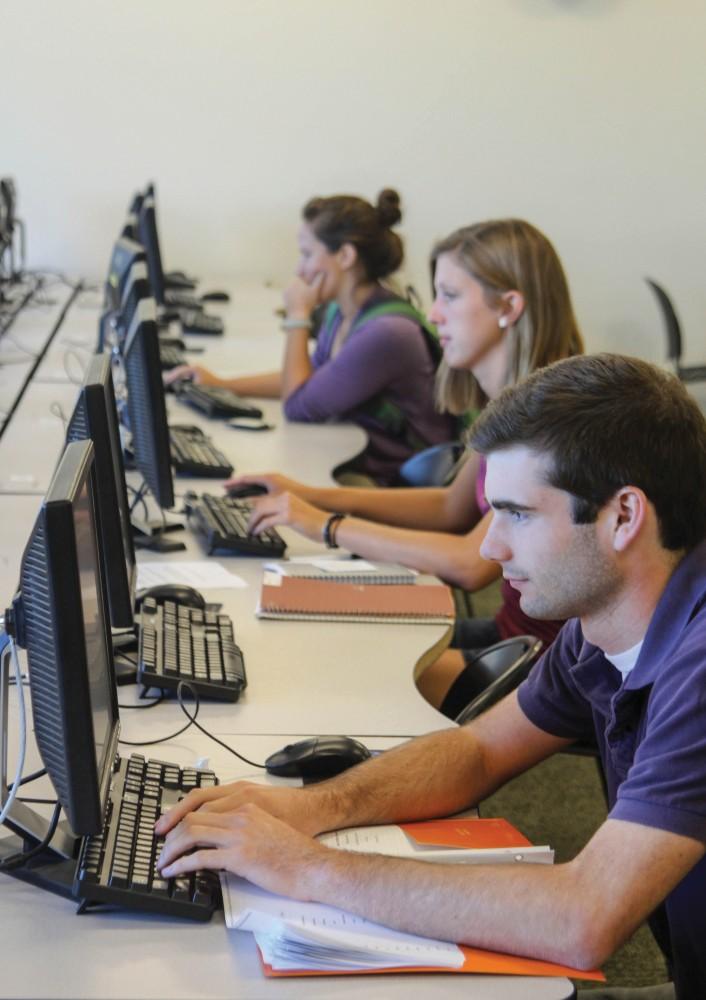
(597, 478)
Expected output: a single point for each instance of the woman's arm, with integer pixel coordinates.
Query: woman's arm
(266, 385)
(454, 558)
(451, 508)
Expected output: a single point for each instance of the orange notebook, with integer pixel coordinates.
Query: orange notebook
(250, 908)
(323, 600)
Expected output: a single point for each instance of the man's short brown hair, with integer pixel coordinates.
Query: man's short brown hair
(609, 421)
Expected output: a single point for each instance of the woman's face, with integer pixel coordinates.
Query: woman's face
(470, 329)
(316, 261)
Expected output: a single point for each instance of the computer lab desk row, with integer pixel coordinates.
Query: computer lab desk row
(303, 679)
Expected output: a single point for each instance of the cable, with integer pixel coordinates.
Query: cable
(57, 410)
(23, 734)
(148, 704)
(69, 353)
(34, 776)
(165, 739)
(193, 722)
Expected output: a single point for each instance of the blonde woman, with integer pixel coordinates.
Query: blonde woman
(502, 309)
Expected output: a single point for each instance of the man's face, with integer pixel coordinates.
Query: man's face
(561, 569)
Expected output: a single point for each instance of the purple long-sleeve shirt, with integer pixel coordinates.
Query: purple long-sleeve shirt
(385, 356)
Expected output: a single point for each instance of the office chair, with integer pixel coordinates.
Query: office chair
(435, 466)
(687, 373)
(496, 671)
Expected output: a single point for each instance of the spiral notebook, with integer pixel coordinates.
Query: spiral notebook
(343, 570)
(294, 597)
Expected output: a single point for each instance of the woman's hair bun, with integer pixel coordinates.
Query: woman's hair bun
(388, 208)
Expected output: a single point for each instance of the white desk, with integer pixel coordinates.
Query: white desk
(27, 337)
(304, 678)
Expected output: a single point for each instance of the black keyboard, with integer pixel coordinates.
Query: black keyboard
(181, 299)
(194, 454)
(216, 401)
(119, 865)
(180, 643)
(177, 279)
(224, 522)
(170, 357)
(196, 322)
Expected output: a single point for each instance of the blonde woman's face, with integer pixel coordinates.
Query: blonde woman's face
(469, 329)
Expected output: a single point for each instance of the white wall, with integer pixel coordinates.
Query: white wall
(584, 116)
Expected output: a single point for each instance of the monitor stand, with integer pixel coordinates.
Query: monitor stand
(150, 534)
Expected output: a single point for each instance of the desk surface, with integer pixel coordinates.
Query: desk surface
(304, 679)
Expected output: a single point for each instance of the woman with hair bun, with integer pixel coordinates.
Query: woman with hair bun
(375, 361)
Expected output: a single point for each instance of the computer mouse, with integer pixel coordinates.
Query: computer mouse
(215, 296)
(178, 592)
(244, 490)
(317, 758)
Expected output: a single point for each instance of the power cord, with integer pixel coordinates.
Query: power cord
(5, 811)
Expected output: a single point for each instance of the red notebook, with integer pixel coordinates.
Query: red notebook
(323, 600)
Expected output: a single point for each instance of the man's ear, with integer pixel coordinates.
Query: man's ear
(629, 511)
(347, 256)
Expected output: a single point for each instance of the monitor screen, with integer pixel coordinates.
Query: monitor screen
(95, 417)
(146, 407)
(149, 237)
(64, 616)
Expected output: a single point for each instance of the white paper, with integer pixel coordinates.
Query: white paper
(295, 934)
(203, 575)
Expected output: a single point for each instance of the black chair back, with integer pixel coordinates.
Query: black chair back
(498, 670)
(671, 322)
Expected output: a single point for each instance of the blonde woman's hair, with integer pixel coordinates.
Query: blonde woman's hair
(504, 255)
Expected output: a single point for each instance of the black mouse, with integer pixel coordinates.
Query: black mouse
(317, 758)
(243, 490)
(178, 592)
(215, 296)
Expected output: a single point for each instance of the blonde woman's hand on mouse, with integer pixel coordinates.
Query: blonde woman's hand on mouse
(273, 482)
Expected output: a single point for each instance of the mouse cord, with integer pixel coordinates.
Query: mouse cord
(185, 686)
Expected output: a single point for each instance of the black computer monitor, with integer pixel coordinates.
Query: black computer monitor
(95, 417)
(135, 288)
(146, 406)
(149, 238)
(125, 253)
(62, 617)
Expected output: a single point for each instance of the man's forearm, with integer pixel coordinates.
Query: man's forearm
(434, 775)
(525, 909)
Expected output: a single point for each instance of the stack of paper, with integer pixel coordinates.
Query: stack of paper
(296, 937)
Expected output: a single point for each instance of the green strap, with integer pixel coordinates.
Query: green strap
(398, 307)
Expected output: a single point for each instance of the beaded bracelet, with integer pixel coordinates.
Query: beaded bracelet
(296, 324)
